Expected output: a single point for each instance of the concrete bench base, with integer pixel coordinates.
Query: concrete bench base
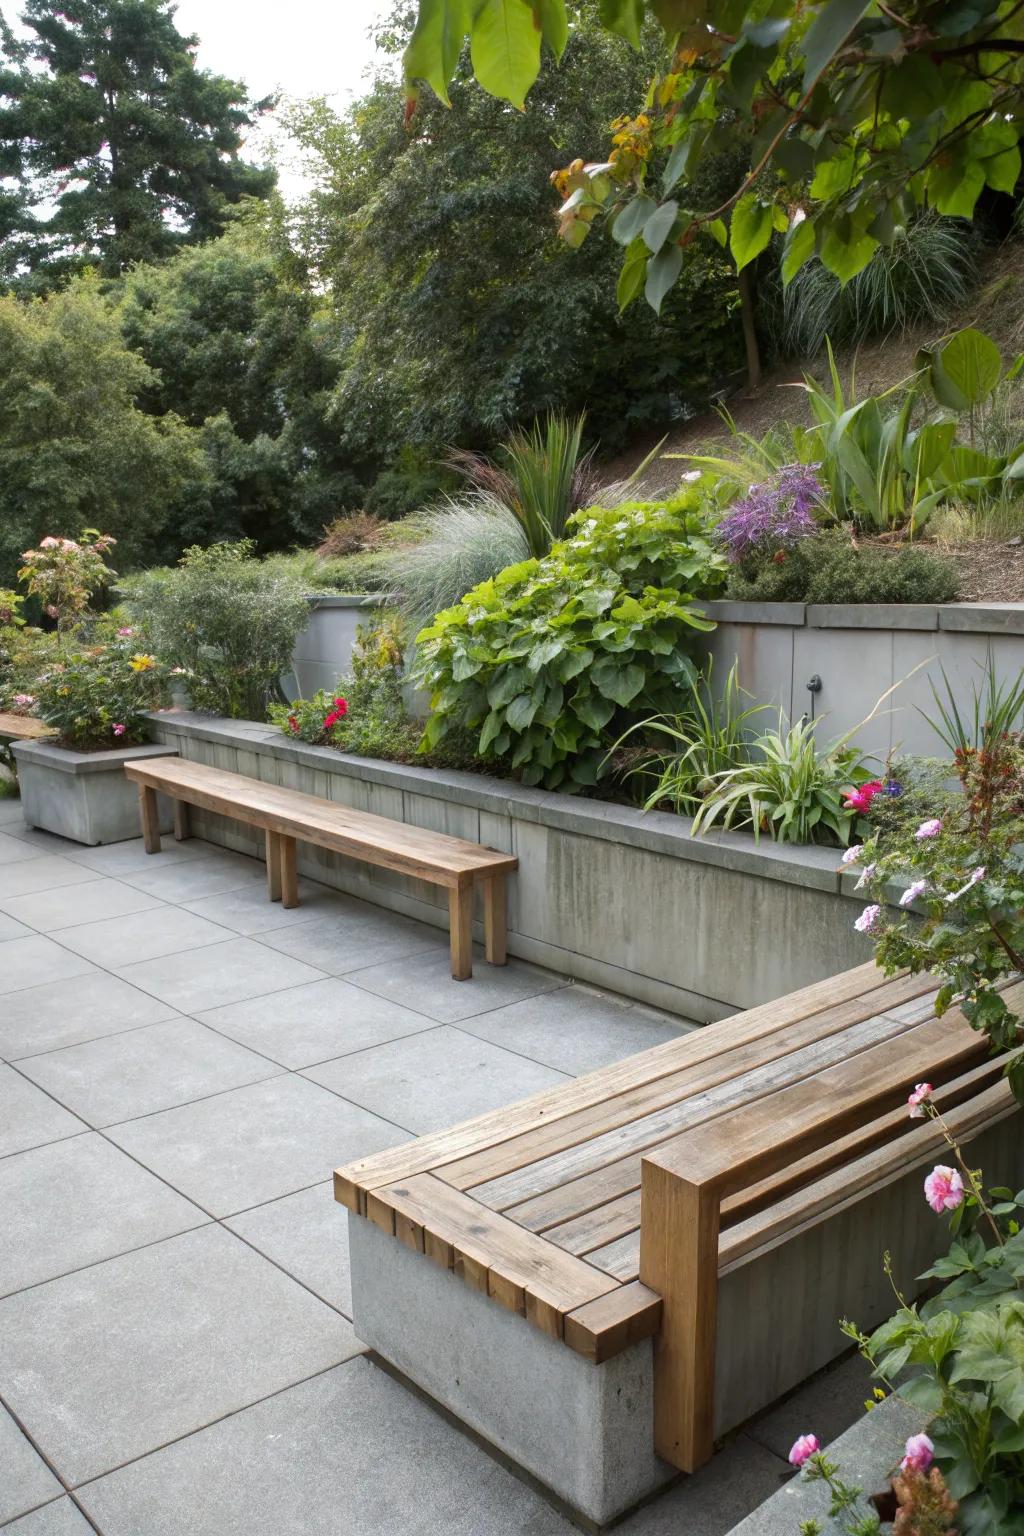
(584, 1431)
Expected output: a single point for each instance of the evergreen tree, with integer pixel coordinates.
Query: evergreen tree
(126, 148)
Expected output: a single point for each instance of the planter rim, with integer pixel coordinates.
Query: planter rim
(64, 760)
(972, 618)
(348, 599)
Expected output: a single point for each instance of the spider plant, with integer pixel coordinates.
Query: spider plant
(996, 710)
(706, 738)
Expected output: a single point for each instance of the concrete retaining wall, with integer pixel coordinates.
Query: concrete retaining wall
(323, 651)
(605, 893)
(860, 650)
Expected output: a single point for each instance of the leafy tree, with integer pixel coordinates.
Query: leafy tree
(76, 450)
(463, 315)
(858, 113)
(105, 116)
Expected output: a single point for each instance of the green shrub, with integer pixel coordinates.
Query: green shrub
(545, 660)
(459, 544)
(369, 571)
(926, 274)
(829, 569)
(97, 696)
(229, 620)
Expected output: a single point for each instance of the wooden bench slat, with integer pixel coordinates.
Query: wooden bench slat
(491, 1253)
(438, 1150)
(605, 1327)
(24, 728)
(374, 839)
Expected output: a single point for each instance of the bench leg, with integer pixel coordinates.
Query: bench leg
(150, 818)
(679, 1224)
(460, 914)
(289, 873)
(182, 830)
(495, 920)
(273, 867)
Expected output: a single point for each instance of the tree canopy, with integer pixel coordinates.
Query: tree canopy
(119, 147)
(858, 113)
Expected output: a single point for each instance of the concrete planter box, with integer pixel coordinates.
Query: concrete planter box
(83, 796)
(606, 893)
(323, 652)
(858, 650)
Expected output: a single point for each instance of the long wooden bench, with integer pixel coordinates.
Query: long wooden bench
(613, 1208)
(287, 816)
(20, 728)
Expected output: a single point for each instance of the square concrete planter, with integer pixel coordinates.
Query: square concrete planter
(84, 796)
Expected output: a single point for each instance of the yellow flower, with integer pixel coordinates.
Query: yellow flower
(141, 662)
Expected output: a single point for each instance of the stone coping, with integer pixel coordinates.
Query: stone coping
(658, 831)
(348, 599)
(970, 618)
(66, 760)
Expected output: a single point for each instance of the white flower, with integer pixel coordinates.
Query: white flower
(852, 854)
(912, 892)
(972, 879)
(930, 828)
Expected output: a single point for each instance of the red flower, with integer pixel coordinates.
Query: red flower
(293, 723)
(860, 799)
(341, 708)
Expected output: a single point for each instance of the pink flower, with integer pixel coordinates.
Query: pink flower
(912, 892)
(930, 828)
(803, 1449)
(50, 543)
(118, 730)
(124, 633)
(852, 854)
(860, 799)
(24, 700)
(920, 1451)
(944, 1189)
(922, 1092)
(868, 920)
(867, 874)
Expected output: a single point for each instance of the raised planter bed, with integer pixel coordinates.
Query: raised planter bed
(84, 796)
(323, 652)
(606, 893)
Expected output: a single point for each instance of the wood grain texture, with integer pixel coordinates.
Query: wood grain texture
(460, 918)
(150, 818)
(23, 728)
(605, 1327)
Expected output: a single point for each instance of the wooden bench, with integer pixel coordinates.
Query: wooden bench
(613, 1209)
(20, 728)
(287, 816)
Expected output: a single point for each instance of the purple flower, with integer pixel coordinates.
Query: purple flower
(775, 515)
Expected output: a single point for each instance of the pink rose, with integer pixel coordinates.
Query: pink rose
(920, 1451)
(869, 919)
(930, 828)
(119, 730)
(922, 1092)
(803, 1449)
(944, 1189)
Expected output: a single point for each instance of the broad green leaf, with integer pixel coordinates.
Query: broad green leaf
(750, 230)
(553, 23)
(927, 449)
(765, 34)
(954, 189)
(594, 710)
(617, 682)
(827, 34)
(626, 17)
(633, 274)
(718, 232)
(433, 50)
(505, 47)
(662, 272)
(1015, 469)
(630, 221)
(972, 364)
(846, 257)
(798, 249)
(519, 714)
(659, 226)
(833, 177)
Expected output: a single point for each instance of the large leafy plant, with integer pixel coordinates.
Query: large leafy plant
(543, 660)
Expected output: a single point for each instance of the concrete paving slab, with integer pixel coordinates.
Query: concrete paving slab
(315, 1023)
(25, 1479)
(113, 1361)
(120, 1077)
(68, 905)
(247, 910)
(28, 962)
(425, 983)
(254, 1144)
(217, 974)
(826, 1406)
(576, 1029)
(350, 1453)
(426, 1082)
(30, 1117)
(10, 929)
(307, 1234)
(11, 814)
(120, 859)
(77, 1202)
(15, 850)
(354, 934)
(188, 879)
(60, 1518)
(143, 936)
(41, 874)
(61, 1013)
(710, 1503)
(42, 841)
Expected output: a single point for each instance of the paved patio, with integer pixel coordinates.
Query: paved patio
(182, 1065)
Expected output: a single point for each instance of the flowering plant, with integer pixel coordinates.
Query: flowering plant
(316, 720)
(963, 876)
(97, 696)
(775, 515)
(64, 574)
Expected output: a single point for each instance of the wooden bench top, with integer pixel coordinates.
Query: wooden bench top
(446, 860)
(539, 1204)
(24, 728)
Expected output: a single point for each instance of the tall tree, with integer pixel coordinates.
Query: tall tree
(127, 148)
